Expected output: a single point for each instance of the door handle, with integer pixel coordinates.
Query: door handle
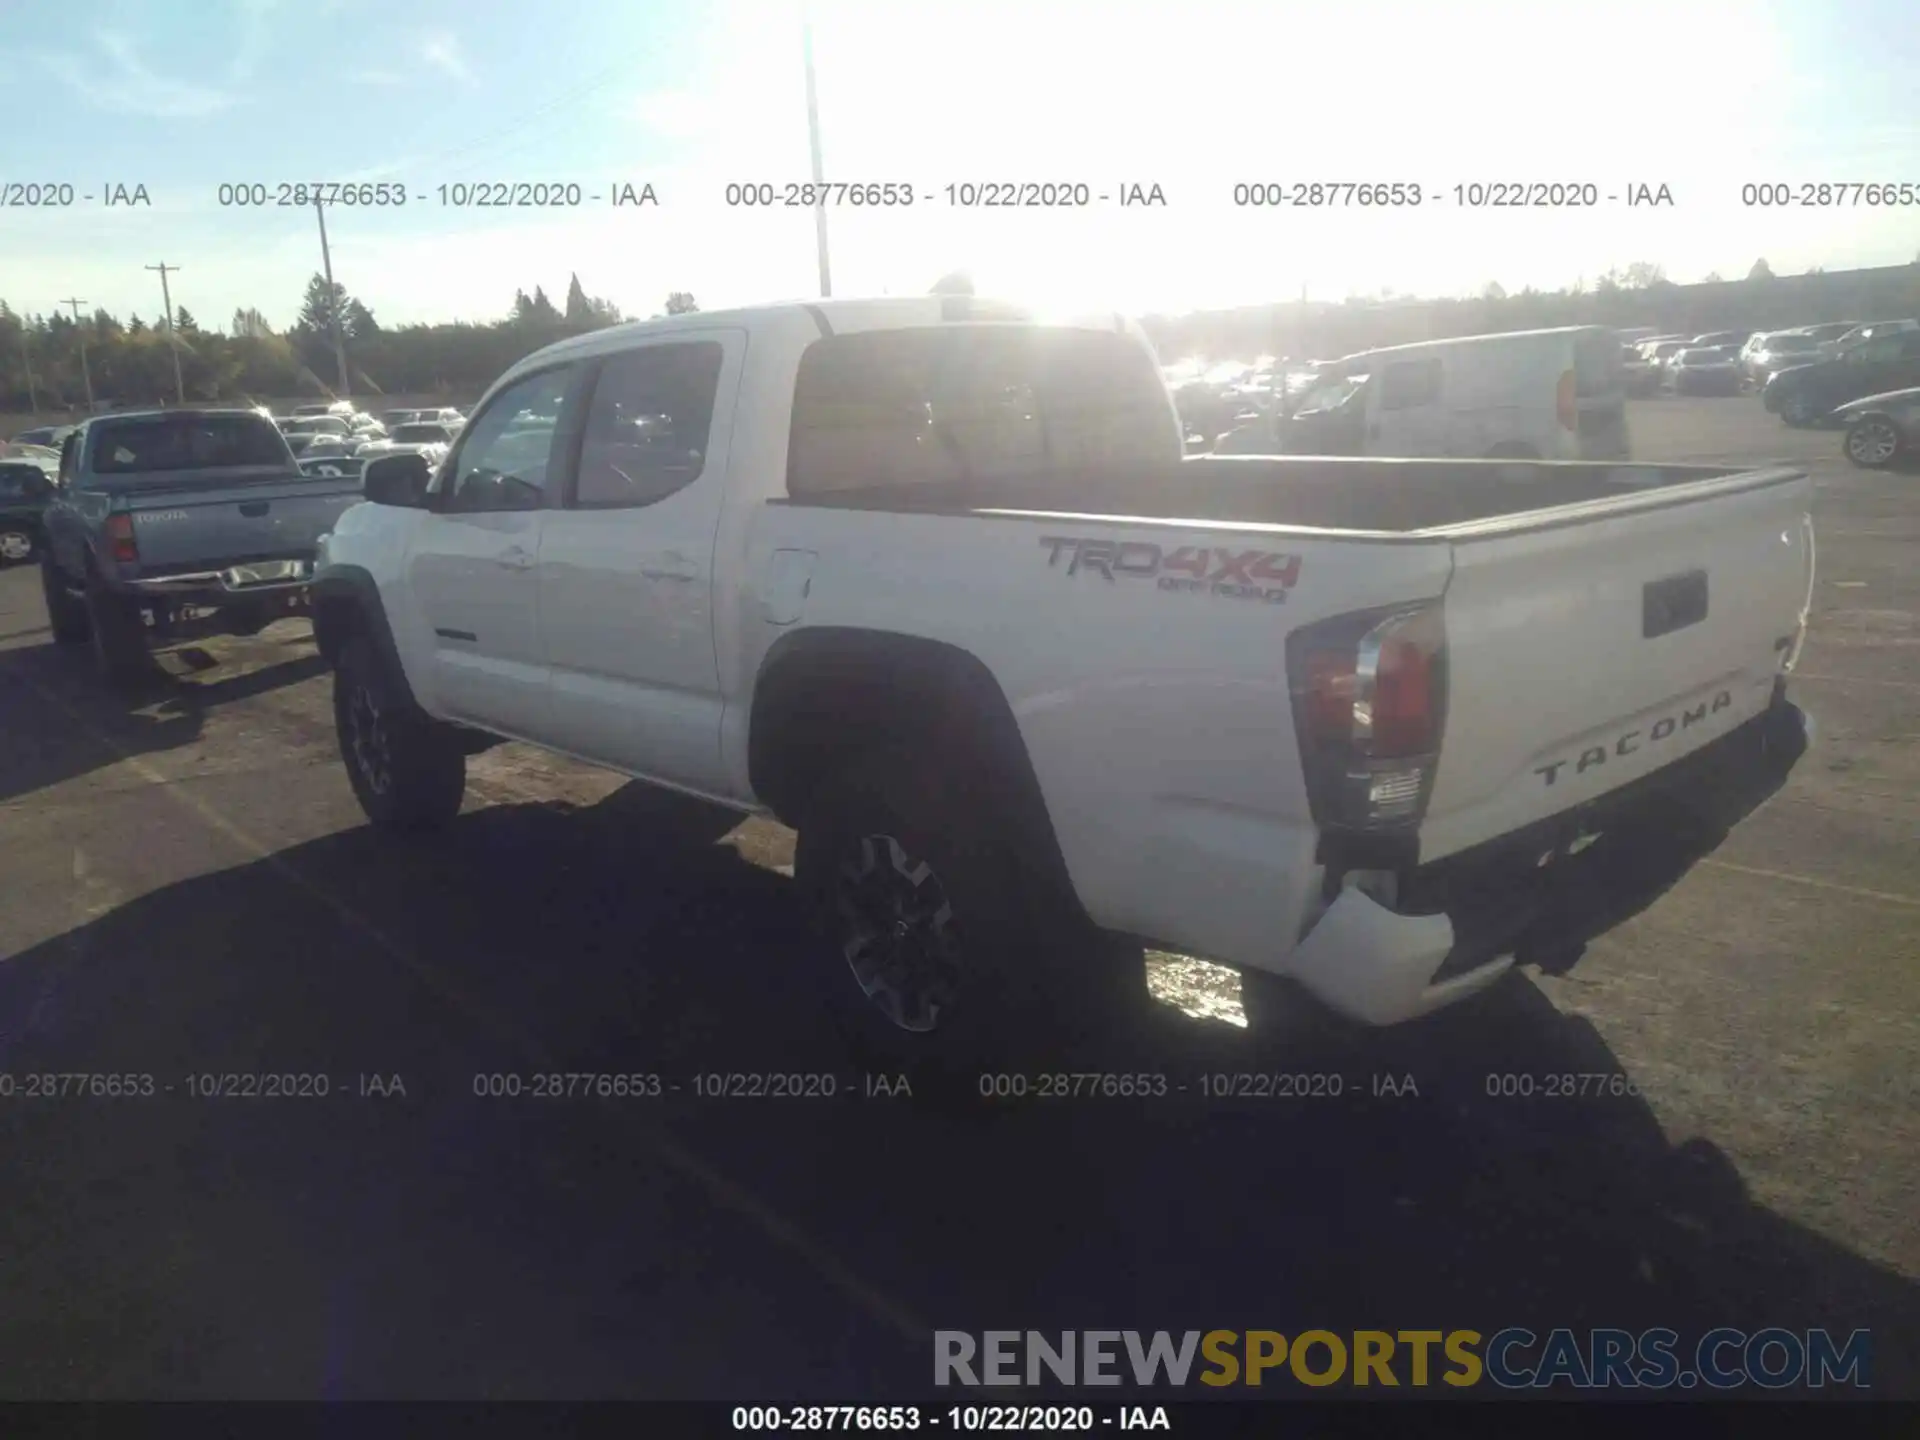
(515, 558)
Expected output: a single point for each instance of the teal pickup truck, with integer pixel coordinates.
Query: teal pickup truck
(165, 511)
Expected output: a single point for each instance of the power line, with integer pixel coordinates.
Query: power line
(173, 339)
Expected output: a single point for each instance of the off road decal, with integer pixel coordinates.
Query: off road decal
(1202, 569)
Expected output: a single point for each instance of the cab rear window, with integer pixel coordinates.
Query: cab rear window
(180, 443)
(939, 404)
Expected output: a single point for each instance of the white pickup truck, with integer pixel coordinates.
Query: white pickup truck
(933, 583)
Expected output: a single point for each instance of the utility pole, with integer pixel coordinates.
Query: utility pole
(819, 172)
(173, 340)
(333, 306)
(86, 371)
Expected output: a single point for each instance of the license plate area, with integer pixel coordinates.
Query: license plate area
(266, 573)
(1673, 604)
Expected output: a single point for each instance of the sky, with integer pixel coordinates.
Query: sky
(182, 96)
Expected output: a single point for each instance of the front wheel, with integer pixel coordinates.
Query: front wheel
(408, 772)
(17, 544)
(1873, 442)
(1798, 411)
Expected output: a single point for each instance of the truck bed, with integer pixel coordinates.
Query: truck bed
(1374, 497)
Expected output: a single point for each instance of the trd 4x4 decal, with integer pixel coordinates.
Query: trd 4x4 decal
(1208, 570)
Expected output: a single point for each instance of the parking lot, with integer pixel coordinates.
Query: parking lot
(189, 891)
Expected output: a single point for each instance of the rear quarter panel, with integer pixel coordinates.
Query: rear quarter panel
(1157, 717)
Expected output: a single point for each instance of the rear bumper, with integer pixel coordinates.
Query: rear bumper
(284, 578)
(1530, 896)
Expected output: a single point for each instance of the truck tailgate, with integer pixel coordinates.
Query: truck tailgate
(185, 528)
(1599, 644)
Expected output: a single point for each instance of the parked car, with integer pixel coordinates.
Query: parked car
(1637, 376)
(1716, 339)
(1881, 429)
(1659, 354)
(328, 458)
(431, 439)
(1869, 332)
(48, 435)
(316, 425)
(1828, 331)
(1531, 394)
(331, 447)
(1778, 350)
(323, 407)
(25, 488)
(804, 605)
(1807, 394)
(1710, 371)
(391, 418)
(159, 510)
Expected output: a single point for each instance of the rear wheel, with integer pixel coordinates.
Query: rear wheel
(66, 611)
(1873, 442)
(118, 626)
(941, 958)
(408, 771)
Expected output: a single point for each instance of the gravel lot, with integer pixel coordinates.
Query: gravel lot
(186, 888)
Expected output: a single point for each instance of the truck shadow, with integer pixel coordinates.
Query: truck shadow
(65, 721)
(459, 1240)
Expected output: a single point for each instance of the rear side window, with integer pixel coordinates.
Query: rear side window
(168, 443)
(1407, 384)
(936, 405)
(647, 428)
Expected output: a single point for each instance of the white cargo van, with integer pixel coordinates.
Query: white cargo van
(1531, 394)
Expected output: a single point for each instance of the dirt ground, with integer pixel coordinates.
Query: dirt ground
(187, 890)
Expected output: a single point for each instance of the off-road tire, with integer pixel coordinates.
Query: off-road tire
(1032, 974)
(424, 776)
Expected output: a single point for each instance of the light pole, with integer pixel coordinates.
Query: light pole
(173, 338)
(813, 140)
(86, 371)
(333, 303)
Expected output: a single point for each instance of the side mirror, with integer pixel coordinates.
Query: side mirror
(397, 480)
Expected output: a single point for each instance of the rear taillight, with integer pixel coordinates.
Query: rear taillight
(1566, 402)
(1369, 706)
(120, 539)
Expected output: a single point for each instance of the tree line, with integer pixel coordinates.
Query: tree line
(49, 361)
(46, 360)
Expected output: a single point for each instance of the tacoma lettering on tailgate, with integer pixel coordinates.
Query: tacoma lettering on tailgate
(1209, 570)
(1632, 740)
